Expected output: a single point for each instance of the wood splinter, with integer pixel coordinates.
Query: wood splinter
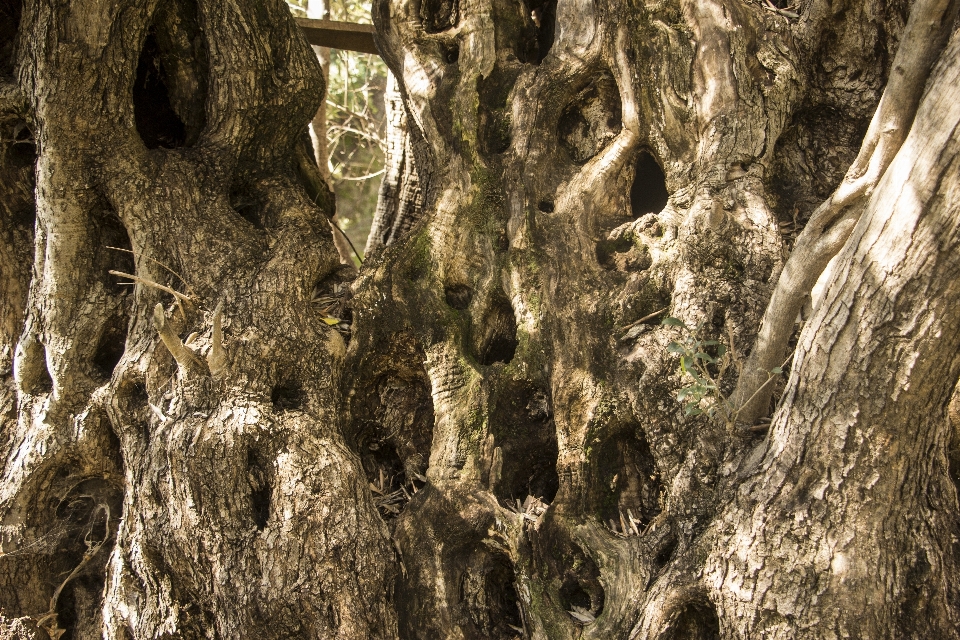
(217, 358)
(184, 356)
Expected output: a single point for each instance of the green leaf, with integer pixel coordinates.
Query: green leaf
(776, 371)
(670, 321)
(692, 410)
(676, 347)
(721, 350)
(710, 343)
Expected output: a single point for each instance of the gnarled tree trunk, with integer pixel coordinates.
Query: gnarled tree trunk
(208, 493)
(481, 435)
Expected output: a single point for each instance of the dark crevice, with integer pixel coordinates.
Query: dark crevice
(451, 52)
(116, 254)
(87, 519)
(524, 430)
(808, 165)
(185, 62)
(10, 12)
(392, 429)
(629, 486)
(458, 296)
(157, 123)
(546, 206)
(288, 395)
(574, 595)
(22, 151)
(572, 575)
(439, 15)
(495, 339)
(494, 112)
(543, 16)
(111, 346)
(117, 248)
(621, 253)
(247, 205)
(580, 587)
(591, 120)
(391, 485)
(649, 191)
(44, 382)
(663, 556)
(133, 401)
(258, 476)
(488, 597)
(697, 621)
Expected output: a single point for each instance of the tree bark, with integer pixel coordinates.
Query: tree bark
(481, 435)
(215, 493)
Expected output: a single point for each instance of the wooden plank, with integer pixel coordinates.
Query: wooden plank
(339, 35)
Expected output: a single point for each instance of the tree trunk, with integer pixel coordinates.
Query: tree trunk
(220, 480)
(481, 436)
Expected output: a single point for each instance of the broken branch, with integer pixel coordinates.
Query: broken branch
(184, 356)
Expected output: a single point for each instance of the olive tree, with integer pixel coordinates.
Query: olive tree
(656, 337)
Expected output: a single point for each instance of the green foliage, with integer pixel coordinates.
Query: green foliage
(702, 363)
(356, 124)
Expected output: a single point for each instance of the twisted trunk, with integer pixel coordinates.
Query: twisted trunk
(220, 480)
(480, 436)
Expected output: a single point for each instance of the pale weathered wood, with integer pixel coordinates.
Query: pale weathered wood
(339, 35)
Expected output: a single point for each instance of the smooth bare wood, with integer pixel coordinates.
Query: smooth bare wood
(339, 35)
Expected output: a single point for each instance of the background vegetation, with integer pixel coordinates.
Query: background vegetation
(355, 124)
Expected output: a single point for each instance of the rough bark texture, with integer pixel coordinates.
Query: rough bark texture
(197, 500)
(479, 437)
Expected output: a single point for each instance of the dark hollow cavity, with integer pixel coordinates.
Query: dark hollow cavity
(546, 206)
(387, 478)
(246, 205)
(495, 114)
(288, 395)
(392, 410)
(498, 333)
(697, 621)
(591, 120)
(10, 12)
(111, 346)
(664, 556)
(488, 597)
(439, 15)
(117, 251)
(84, 525)
(581, 587)
(157, 123)
(649, 191)
(573, 595)
(458, 296)
(539, 38)
(629, 483)
(44, 382)
(524, 429)
(451, 53)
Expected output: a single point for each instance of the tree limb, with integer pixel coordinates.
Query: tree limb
(830, 225)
